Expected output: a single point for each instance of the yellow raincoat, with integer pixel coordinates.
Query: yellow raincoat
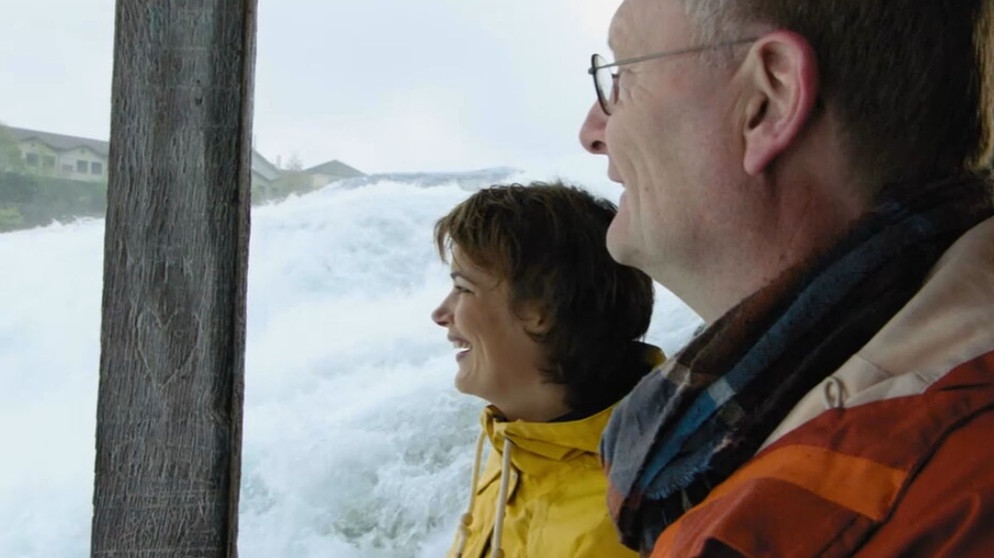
(555, 504)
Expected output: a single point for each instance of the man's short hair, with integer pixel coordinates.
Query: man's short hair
(548, 241)
(912, 81)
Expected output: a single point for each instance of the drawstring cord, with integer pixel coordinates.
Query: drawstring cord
(502, 499)
(467, 518)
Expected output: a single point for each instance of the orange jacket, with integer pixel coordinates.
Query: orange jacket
(902, 461)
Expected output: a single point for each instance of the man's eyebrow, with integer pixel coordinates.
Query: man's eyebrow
(460, 275)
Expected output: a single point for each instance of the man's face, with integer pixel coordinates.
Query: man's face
(669, 143)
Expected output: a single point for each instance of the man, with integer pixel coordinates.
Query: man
(812, 179)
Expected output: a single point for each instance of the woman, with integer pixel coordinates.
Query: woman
(545, 326)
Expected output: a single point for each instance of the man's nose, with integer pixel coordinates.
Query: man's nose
(592, 130)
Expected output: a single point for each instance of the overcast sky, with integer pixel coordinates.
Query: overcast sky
(384, 85)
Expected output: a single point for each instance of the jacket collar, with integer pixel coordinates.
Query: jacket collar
(555, 441)
(906, 357)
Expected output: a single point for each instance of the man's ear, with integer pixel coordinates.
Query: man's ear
(782, 86)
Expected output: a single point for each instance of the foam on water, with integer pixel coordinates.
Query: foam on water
(355, 442)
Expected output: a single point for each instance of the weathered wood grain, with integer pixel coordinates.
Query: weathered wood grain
(175, 260)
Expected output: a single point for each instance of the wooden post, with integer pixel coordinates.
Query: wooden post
(175, 258)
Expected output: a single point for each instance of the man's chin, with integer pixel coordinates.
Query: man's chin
(618, 247)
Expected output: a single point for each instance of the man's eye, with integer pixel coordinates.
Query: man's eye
(614, 87)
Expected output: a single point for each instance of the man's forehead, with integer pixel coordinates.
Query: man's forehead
(644, 24)
(616, 33)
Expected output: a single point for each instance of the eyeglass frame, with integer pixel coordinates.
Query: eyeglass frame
(594, 68)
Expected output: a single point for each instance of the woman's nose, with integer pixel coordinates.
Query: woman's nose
(441, 315)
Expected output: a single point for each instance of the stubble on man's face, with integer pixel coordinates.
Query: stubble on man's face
(669, 143)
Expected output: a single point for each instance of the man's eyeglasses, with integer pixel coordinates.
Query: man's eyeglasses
(606, 80)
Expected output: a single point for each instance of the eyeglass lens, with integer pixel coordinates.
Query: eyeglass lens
(603, 82)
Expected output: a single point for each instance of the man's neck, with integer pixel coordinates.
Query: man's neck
(794, 223)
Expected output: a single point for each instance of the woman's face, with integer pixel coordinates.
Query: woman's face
(498, 361)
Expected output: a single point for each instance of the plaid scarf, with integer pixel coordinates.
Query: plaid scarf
(702, 414)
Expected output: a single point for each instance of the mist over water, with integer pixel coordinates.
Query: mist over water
(355, 442)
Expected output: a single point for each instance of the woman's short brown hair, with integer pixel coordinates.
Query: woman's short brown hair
(548, 241)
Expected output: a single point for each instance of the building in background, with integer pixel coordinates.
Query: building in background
(75, 158)
(323, 174)
(60, 156)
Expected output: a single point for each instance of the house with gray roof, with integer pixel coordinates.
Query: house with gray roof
(330, 171)
(62, 156)
(85, 159)
(76, 158)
